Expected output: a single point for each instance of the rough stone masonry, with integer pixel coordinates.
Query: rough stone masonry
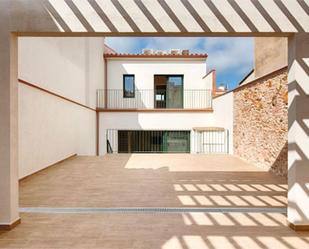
(261, 122)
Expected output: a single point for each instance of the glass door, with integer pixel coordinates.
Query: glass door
(176, 141)
(174, 91)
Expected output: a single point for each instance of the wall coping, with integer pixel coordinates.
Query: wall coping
(263, 77)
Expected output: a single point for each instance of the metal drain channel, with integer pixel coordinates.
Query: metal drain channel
(51, 210)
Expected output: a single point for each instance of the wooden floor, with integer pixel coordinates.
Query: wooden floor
(154, 181)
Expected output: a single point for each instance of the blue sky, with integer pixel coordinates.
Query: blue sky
(231, 57)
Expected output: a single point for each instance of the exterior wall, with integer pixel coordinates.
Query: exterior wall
(298, 155)
(71, 67)
(210, 80)
(261, 123)
(223, 107)
(271, 54)
(50, 128)
(152, 121)
(144, 71)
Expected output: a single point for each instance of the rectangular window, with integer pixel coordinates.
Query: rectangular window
(141, 141)
(128, 86)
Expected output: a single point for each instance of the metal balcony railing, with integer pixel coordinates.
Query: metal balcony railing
(155, 99)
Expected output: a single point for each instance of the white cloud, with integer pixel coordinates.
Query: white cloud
(122, 44)
(226, 55)
(230, 54)
(135, 45)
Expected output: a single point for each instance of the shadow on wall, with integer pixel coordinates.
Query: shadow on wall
(280, 166)
(299, 130)
(261, 122)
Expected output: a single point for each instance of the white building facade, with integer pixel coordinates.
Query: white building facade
(79, 97)
(155, 102)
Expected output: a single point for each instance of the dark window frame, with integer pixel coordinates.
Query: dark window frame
(182, 76)
(123, 89)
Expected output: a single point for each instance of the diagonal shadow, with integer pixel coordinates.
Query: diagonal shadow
(304, 6)
(243, 16)
(56, 15)
(295, 147)
(304, 66)
(177, 20)
(102, 15)
(281, 161)
(195, 15)
(302, 114)
(79, 16)
(126, 16)
(302, 95)
(172, 15)
(291, 18)
(265, 14)
(220, 17)
(149, 16)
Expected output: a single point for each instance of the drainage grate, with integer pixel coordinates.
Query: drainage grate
(149, 210)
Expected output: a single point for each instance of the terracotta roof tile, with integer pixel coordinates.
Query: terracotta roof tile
(154, 55)
(109, 50)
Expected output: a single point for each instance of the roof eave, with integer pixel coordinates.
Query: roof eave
(157, 56)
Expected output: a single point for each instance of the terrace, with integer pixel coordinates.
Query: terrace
(240, 205)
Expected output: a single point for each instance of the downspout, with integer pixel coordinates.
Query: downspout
(98, 112)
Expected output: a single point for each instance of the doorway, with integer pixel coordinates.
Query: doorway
(168, 91)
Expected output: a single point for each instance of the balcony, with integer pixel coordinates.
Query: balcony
(149, 99)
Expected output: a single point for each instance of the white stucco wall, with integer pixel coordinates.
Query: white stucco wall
(72, 67)
(193, 69)
(50, 128)
(223, 115)
(152, 121)
(209, 79)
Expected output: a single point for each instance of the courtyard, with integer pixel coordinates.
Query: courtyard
(56, 78)
(153, 180)
(179, 201)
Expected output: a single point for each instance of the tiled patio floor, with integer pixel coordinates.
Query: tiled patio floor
(154, 181)
(154, 231)
(140, 180)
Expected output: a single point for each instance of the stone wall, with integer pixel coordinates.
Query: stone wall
(261, 122)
